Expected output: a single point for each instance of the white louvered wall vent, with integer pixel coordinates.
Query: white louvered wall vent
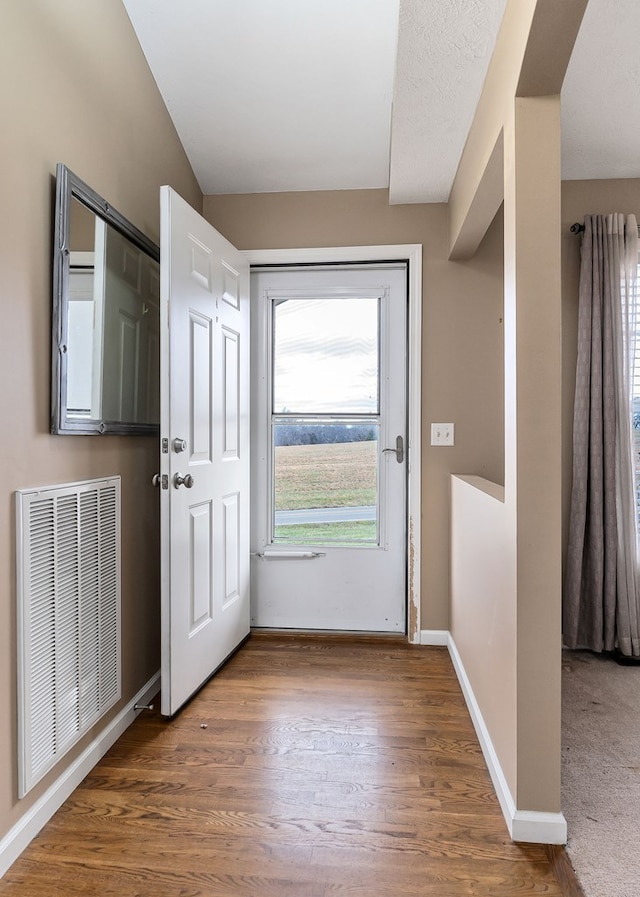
(68, 542)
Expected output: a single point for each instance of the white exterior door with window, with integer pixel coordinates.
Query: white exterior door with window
(329, 427)
(204, 460)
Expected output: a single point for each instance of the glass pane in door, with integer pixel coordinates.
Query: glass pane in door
(325, 355)
(325, 482)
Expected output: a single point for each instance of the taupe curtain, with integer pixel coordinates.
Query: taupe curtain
(601, 600)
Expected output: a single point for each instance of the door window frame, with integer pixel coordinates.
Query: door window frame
(412, 253)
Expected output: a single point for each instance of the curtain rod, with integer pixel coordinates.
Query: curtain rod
(577, 228)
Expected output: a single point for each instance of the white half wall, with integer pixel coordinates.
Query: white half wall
(483, 641)
(483, 607)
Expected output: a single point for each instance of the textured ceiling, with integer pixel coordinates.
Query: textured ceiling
(444, 50)
(601, 94)
(297, 94)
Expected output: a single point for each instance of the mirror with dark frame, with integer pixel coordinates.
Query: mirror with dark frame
(106, 317)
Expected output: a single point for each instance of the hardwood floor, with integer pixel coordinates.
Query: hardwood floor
(308, 767)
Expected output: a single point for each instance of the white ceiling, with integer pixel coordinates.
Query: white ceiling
(287, 95)
(601, 94)
(273, 95)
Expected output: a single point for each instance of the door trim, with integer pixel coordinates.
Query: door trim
(412, 252)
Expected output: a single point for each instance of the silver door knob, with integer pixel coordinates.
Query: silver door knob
(180, 480)
(179, 445)
(155, 480)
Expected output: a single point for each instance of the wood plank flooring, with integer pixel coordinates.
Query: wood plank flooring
(308, 767)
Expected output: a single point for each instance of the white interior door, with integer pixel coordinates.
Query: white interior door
(329, 424)
(204, 460)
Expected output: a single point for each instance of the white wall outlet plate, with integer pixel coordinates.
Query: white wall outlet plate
(442, 434)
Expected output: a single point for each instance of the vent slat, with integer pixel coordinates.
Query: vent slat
(68, 543)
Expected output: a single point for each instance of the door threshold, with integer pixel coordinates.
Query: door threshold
(346, 634)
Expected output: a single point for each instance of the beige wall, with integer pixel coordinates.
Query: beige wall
(462, 334)
(505, 614)
(74, 88)
(580, 198)
(494, 107)
(520, 106)
(533, 443)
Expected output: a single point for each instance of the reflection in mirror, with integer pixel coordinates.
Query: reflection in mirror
(106, 317)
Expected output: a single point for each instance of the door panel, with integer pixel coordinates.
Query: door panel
(204, 409)
(231, 529)
(232, 411)
(328, 497)
(200, 350)
(201, 586)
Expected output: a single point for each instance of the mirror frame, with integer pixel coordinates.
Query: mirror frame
(69, 187)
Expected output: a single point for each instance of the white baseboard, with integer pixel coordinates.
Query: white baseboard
(36, 817)
(539, 828)
(434, 637)
(523, 825)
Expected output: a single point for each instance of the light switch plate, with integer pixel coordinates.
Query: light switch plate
(442, 434)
